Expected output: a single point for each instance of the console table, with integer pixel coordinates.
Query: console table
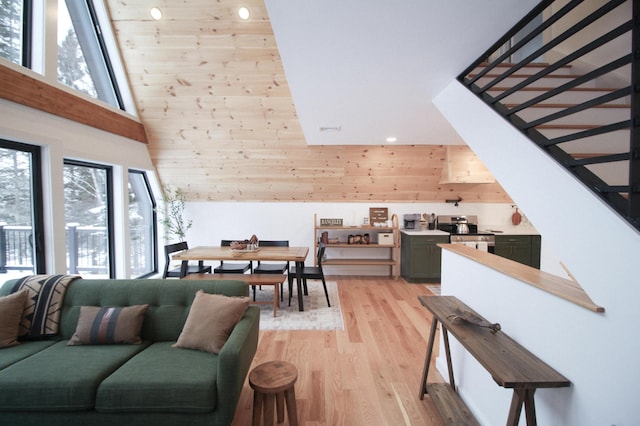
(509, 363)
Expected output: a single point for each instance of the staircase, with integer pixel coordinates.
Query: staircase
(570, 91)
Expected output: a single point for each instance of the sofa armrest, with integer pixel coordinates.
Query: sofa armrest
(234, 361)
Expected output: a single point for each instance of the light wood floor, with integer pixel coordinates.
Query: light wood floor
(369, 373)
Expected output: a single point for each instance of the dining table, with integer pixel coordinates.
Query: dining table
(276, 254)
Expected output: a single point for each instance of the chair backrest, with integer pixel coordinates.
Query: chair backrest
(274, 243)
(168, 250)
(172, 248)
(320, 254)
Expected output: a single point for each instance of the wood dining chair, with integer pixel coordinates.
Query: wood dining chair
(170, 249)
(310, 273)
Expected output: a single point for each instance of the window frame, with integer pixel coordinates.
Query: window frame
(37, 207)
(154, 237)
(109, 205)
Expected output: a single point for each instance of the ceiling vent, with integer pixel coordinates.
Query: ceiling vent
(330, 129)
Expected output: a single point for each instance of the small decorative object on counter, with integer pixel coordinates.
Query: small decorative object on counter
(365, 239)
(325, 238)
(350, 240)
(516, 218)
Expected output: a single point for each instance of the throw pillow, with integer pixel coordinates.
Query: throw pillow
(210, 321)
(11, 308)
(109, 325)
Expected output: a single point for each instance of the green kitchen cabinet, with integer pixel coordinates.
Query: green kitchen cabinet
(420, 257)
(521, 248)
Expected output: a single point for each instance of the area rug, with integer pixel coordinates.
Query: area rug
(434, 288)
(316, 315)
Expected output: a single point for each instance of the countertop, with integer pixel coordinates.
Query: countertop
(425, 232)
(522, 229)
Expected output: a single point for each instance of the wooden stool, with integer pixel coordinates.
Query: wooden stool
(269, 380)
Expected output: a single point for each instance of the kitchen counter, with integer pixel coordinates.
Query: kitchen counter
(522, 229)
(426, 232)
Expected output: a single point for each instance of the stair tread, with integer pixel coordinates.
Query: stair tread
(546, 89)
(551, 105)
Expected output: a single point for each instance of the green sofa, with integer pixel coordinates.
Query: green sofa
(46, 382)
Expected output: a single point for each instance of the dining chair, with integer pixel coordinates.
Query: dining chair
(231, 267)
(170, 249)
(310, 273)
(270, 267)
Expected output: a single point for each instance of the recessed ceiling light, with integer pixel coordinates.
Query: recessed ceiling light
(244, 13)
(156, 13)
(392, 139)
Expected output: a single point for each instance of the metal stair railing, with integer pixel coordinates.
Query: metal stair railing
(604, 44)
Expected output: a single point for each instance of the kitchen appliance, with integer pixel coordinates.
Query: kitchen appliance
(464, 230)
(411, 221)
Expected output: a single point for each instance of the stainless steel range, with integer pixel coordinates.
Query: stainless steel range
(464, 230)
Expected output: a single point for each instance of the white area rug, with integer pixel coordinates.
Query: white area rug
(316, 315)
(433, 288)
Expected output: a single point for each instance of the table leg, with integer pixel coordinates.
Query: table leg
(299, 267)
(183, 268)
(427, 360)
(520, 397)
(445, 338)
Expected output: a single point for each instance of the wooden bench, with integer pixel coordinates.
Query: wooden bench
(252, 279)
(509, 363)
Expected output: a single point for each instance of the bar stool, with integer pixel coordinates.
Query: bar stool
(274, 379)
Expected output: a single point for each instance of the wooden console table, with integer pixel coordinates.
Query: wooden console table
(509, 363)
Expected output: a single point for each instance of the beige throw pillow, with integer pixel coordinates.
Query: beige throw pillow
(210, 321)
(109, 325)
(11, 308)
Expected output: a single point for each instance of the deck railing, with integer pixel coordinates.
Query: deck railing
(86, 250)
(589, 50)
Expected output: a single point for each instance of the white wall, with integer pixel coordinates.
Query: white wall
(213, 221)
(62, 139)
(597, 352)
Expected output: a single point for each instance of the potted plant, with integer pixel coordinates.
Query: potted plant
(172, 215)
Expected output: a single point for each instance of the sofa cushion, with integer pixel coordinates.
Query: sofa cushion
(210, 321)
(161, 379)
(24, 350)
(61, 377)
(109, 325)
(11, 308)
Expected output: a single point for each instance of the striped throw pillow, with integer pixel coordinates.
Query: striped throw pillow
(109, 325)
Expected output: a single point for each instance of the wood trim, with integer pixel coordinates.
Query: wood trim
(553, 284)
(31, 92)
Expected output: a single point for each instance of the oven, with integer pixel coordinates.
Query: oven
(467, 234)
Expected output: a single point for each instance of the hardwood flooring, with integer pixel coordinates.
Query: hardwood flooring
(369, 373)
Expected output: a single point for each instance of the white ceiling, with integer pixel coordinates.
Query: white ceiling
(372, 67)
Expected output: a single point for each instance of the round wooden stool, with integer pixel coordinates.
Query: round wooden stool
(274, 380)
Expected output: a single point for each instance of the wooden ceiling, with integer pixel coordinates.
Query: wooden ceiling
(213, 96)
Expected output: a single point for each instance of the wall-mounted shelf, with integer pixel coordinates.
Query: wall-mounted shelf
(341, 233)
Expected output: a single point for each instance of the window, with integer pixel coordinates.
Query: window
(142, 225)
(11, 30)
(83, 61)
(89, 218)
(21, 222)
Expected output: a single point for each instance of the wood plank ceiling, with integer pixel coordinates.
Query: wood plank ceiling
(213, 96)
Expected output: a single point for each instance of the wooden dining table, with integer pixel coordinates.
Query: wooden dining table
(276, 254)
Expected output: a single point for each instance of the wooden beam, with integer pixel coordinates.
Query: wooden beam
(31, 92)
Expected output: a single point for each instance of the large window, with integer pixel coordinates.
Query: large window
(11, 30)
(142, 225)
(83, 61)
(21, 223)
(88, 215)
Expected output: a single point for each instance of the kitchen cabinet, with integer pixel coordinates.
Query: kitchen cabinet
(421, 257)
(521, 248)
(378, 251)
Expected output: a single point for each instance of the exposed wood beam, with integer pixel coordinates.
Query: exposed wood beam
(29, 91)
